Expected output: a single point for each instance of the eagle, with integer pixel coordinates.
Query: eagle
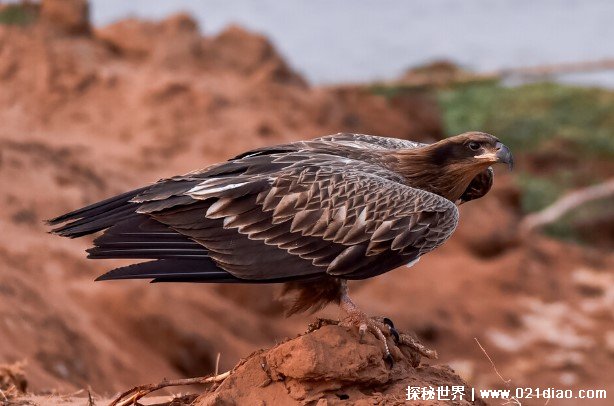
(309, 214)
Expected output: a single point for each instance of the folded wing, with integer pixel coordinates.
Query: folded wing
(275, 215)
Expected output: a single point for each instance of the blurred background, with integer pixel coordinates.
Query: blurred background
(100, 97)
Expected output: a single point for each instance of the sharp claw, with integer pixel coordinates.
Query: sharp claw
(393, 331)
(395, 334)
(388, 359)
(388, 322)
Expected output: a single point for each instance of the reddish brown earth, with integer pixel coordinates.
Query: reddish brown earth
(89, 113)
(323, 367)
(327, 367)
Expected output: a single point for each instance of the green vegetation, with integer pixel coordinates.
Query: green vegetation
(527, 117)
(17, 14)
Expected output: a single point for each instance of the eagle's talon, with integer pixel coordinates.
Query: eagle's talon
(388, 322)
(389, 360)
(395, 334)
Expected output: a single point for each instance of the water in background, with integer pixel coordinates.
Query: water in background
(332, 41)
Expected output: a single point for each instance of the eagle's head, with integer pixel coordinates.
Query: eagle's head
(471, 151)
(449, 166)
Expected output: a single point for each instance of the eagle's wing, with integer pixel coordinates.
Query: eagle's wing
(370, 141)
(284, 213)
(334, 144)
(319, 214)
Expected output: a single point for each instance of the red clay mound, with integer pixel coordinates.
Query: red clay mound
(329, 366)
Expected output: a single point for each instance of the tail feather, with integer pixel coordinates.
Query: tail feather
(146, 253)
(166, 269)
(202, 270)
(90, 225)
(139, 228)
(141, 237)
(97, 216)
(98, 207)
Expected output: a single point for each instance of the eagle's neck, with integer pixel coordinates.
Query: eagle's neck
(423, 170)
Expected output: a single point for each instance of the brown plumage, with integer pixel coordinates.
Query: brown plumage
(310, 214)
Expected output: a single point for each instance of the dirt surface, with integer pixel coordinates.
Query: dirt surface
(327, 367)
(89, 113)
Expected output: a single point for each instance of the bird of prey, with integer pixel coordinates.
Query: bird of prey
(309, 214)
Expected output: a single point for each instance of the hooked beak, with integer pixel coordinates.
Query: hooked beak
(504, 155)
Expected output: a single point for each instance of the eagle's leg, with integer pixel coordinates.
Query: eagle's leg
(382, 328)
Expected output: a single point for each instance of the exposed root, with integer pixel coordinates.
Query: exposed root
(130, 397)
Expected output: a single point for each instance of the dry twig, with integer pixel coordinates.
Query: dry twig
(512, 399)
(217, 363)
(506, 381)
(130, 397)
(565, 204)
(90, 399)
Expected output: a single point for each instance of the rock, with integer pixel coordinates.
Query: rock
(66, 16)
(250, 54)
(175, 40)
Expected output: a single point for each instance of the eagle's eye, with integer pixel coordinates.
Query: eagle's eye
(474, 146)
